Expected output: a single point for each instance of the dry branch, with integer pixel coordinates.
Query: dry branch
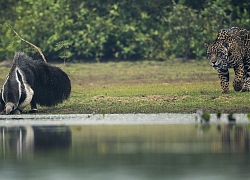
(37, 48)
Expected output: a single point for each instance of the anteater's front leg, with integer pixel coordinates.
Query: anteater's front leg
(33, 108)
(224, 80)
(2, 108)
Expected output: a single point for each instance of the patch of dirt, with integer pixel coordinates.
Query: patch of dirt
(6, 63)
(224, 98)
(148, 98)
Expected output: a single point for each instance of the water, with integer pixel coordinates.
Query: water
(117, 147)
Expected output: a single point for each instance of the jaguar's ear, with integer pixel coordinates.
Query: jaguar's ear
(206, 45)
(225, 44)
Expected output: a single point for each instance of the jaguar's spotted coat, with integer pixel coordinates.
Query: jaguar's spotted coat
(231, 49)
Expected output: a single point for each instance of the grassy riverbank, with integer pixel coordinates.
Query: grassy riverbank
(146, 87)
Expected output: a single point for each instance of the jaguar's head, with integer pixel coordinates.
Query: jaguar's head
(217, 54)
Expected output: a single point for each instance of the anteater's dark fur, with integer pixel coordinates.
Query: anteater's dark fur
(50, 84)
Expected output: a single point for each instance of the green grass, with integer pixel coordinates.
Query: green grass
(146, 87)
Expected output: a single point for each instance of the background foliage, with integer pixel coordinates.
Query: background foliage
(97, 30)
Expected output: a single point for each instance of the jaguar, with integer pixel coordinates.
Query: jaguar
(231, 49)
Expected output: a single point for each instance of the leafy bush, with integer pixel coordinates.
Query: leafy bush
(116, 30)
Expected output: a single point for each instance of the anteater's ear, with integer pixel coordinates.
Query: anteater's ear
(206, 45)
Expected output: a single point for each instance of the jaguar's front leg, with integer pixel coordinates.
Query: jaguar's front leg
(224, 80)
(238, 79)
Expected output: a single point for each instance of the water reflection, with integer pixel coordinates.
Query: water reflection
(174, 151)
(235, 138)
(21, 141)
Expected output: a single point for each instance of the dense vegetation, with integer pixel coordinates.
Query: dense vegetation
(98, 30)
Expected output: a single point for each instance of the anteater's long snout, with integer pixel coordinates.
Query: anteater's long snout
(9, 107)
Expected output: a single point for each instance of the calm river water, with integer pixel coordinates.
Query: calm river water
(123, 147)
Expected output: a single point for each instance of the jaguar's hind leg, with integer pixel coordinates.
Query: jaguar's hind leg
(246, 85)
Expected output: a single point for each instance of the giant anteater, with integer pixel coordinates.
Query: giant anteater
(33, 82)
